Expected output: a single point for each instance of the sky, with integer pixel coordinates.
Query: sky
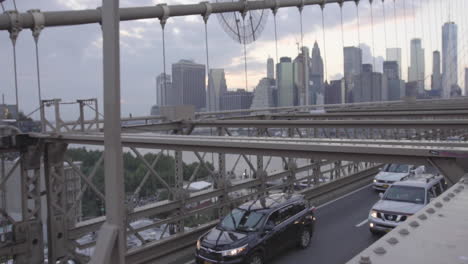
(71, 57)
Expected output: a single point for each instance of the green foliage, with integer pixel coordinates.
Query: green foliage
(134, 172)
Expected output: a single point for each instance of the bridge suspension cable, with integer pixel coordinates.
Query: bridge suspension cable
(322, 7)
(372, 31)
(385, 24)
(358, 23)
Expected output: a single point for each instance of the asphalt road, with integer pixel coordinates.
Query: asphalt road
(341, 231)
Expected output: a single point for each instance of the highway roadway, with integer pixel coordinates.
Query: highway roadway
(341, 231)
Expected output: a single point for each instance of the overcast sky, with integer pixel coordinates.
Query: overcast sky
(71, 57)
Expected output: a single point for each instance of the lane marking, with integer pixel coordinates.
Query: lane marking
(362, 223)
(344, 196)
(190, 262)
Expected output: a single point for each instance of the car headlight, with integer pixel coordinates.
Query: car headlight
(373, 214)
(375, 180)
(234, 251)
(198, 244)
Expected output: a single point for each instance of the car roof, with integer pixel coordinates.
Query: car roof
(422, 180)
(272, 201)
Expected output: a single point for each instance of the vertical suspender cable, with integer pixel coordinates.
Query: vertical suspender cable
(385, 25)
(245, 54)
(276, 36)
(163, 21)
(396, 27)
(14, 32)
(406, 38)
(322, 6)
(373, 42)
(39, 21)
(212, 106)
(342, 31)
(358, 24)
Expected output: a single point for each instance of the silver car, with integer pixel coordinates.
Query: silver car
(392, 173)
(403, 199)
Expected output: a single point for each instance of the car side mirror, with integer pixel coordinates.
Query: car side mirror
(381, 195)
(268, 227)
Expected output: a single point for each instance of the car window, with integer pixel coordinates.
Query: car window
(405, 194)
(397, 168)
(242, 220)
(431, 193)
(437, 189)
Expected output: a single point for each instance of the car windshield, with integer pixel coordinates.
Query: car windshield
(405, 194)
(398, 168)
(242, 220)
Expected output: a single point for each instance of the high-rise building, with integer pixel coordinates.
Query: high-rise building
(391, 81)
(352, 67)
(417, 64)
(163, 90)
(270, 68)
(216, 87)
(334, 92)
(316, 74)
(188, 84)
(436, 78)
(234, 100)
(301, 76)
(466, 81)
(368, 86)
(8, 111)
(394, 54)
(449, 58)
(263, 95)
(285, 82)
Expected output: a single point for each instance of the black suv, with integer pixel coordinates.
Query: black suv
(257, 230)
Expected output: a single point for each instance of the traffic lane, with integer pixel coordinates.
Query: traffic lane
(340, 231)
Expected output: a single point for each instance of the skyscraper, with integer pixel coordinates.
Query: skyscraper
(368, 86)
(301, 76)
(449, 58)
(394, 54)
(263, 94)
(163, 90)
(188, 84)
(285, 82)
(270, 68)
(352, 68)
(417, 63)
(233, 100)
(216, 87)
(316, 74)
(436, 78)
(392, 86)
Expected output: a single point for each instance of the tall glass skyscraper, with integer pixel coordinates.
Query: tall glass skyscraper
(449, 58)
(417, 65)
(216, 87)
(284, 71)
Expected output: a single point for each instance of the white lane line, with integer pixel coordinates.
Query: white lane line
(362, 223)
(344, 196)
(190, 262)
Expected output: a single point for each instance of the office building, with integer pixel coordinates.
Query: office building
(391, 81)
(394, 54)
(417, 63)
(436, 77)
(234, 100)
(368, 86)
(270, 68)
(188, 84)
(163, 89)
(352, 67)
(316, 75)
(301, 77)
(285, 82)
(263, 96)
(8, 111)
(449, 58)
(334, 92)
(216, 87)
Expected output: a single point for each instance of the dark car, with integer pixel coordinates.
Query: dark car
(257, 230)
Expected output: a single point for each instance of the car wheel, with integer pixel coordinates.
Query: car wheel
(304, 239)
(375, 233)
(255, 259)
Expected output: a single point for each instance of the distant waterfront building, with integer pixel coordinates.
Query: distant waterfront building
(436, 78)
(270, 68)
(234, 100)
(352, 67)
(285, 82)
(301, 77)
(449, 58)
(188, 84)
(334, 92)
(164, 90)
(216, 87)
(394, 54)
(8, 111)
(316, 75)
(417, 64)
(263, 96)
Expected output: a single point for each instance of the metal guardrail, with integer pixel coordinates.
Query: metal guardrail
(317, 195)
